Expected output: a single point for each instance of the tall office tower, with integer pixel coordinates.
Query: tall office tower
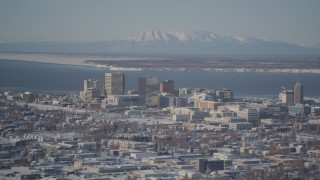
(148, 87)
(298, 93)
(90, 90)
(167, 86)
(286, 96)
(114, 84)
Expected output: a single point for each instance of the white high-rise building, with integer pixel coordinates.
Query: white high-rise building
(90, 90)
(286, 97)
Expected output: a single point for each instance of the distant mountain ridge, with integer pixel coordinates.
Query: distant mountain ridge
(172, 42)
(177, 36)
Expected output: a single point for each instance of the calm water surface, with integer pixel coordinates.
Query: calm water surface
(32, 76)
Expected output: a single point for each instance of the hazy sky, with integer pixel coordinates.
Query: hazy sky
(294, 21)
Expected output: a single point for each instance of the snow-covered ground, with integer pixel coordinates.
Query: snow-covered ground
(46, 58)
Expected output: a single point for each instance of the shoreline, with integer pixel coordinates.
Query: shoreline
(235, 70)
(88, 61)
(45, 58)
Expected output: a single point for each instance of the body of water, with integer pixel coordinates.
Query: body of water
(33, 76)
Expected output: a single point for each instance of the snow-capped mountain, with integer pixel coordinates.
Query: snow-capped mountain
(172, 42)
(151, 36)
(209, 43)
(183, 37)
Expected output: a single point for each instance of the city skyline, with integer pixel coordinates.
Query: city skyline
(120, 89)
(286, 21)
(122, 137)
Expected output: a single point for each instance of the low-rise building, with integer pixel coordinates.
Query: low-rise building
(240, 126)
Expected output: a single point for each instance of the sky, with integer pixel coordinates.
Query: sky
(292, 21)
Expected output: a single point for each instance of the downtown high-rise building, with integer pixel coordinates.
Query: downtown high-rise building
(90, 84)
(286, 97)
(90, 90)
(148, 87)
(298, 93)
(114, 84)
(167, 86)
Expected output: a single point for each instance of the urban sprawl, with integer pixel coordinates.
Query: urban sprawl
(158, 132)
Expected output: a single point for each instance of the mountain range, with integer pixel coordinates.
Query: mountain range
(156, 42)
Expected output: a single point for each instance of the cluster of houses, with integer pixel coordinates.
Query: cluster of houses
(205, 139)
